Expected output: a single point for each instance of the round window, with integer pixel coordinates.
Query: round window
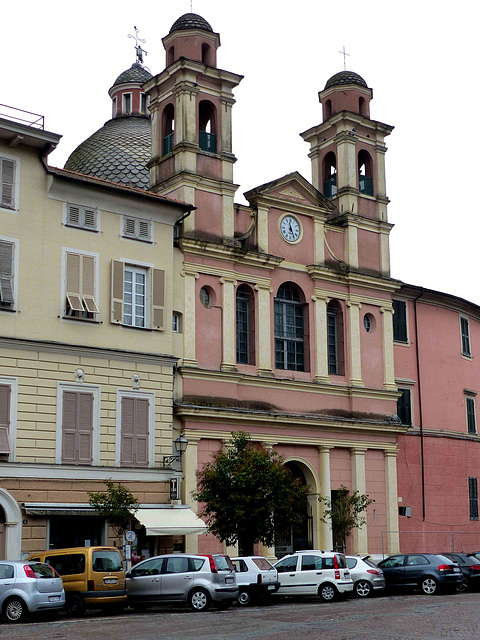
(205, 298)
(369, 322)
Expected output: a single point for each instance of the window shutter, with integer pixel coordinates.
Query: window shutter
(73, 215)
(158, 298)
(69, 413)
(129, 226)
(8, 183)
(4, 418)
(88, 283)
(141, 428)
(144, 229)
(127, 432)
(117, 291)
(134, 432)
(73, 288)
(90, 221)
(6, 272)
(85, 428)
(77, 427)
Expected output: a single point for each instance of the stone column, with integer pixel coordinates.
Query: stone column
(321, 351)
(262, 229)
(189, 467)
(229, 358)
(324, 529)
(319, 242)
(355, 349)
(388, 360)
(264, 331)
(385, 253)
(351, 245)
(189, 354)
(393, 537)
(359, 483)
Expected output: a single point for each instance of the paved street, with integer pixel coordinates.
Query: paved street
(398, 617)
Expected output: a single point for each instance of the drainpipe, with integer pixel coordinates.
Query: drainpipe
(420, 404)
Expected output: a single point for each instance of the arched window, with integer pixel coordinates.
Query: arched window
(328, 109)
(168, 126)
(336, 359)
(365, 174)
(329, 175)
(290, 324)
(171, 55)
(245, 325)
(207, 127)
(206, 54)
(362, 106)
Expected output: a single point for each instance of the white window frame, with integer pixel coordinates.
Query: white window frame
(124, 105)
(12, 432)
(471, 395)
(114, 107)
(82, 210)
(16, 186)
(407, 383)
(16, 245)
(138, 224)
(138, 269)
(129, 393)
(468, 356)
(176, 322)
(84, 388)
(63, 301)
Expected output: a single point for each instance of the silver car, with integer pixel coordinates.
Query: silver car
(366, 576)
(198, 580)
(29, 587)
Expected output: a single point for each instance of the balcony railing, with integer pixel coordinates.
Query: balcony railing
(23, 117)
(208, 141)
(167, 144)
(330, 187)
(365, 185)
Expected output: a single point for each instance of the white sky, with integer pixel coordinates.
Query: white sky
(421, 58)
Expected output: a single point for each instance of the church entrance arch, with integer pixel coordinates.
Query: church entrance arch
(10, 527)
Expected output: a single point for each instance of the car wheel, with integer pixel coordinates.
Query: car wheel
(363, 588)
(463, 586)
(199, 600)
(327, 592)
(429, 586)
(15, 610)
(244, 598)
(75, 606)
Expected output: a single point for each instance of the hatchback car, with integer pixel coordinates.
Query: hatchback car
(314, 573)
(29, 587)
(198, 580)
(424, 570)
(469, 564)
(367, 577)
(256, 578)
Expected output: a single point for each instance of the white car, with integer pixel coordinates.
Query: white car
(256, 578)
(314, 573)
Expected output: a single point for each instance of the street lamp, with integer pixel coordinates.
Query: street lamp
(181, 444)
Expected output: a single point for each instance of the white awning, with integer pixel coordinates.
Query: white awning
(172, 521)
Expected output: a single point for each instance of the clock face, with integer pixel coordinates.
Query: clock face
(290, 228)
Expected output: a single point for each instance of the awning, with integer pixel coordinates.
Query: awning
(172, 521)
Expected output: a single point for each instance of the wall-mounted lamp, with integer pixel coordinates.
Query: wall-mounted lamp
(181, 444)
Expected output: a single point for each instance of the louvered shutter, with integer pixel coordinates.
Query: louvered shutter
(73, 215)
(85, 428)
(69, 424)
(144, 229)
(90, 218)
(141, 432)
(158, 298)
(6, 273)
(77, 427)
(73, 285)
(129, 227)
(7, 170)
(117, 291)
(88, 283)
(127, 432)
(134, 432)
(5, 391)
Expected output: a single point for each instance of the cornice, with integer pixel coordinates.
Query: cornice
(192, 267)
(353, 279)
(30, 471)
(206, 248)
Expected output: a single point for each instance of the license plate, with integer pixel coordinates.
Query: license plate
(53, 598)
(271, 586)
(110, 581)
(229, 579)
(456, 569)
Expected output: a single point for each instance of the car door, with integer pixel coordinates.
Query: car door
(143, 581)
(177, 578)
(393, 570)
(311, 574)
(287, 575)
(7, 580)
(416, 565)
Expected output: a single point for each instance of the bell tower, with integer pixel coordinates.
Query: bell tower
(191, 109)
(348, 149)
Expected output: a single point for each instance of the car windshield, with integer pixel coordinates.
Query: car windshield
(107, 561)
(263, 564)
(42, 570)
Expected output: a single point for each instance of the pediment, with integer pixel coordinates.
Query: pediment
(291, 188)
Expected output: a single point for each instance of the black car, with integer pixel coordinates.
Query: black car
(424, 570)
(469, 564)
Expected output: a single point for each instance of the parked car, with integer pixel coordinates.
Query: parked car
(428, 571)
(367, 577)
(92, 577)
(198, 580)
(29, 587)
(256, 578)
(469, 564)
(314, 573)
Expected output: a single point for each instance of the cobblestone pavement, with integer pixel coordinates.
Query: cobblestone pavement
(396, 617)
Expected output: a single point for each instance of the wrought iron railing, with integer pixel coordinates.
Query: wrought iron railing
(207, 141)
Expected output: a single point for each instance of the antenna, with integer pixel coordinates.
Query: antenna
(344, 58)
(138, 48)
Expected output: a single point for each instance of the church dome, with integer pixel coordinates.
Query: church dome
(119, 152)
(136, 73)
(346, 77)
(190, 21)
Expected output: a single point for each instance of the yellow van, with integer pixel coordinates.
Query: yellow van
(93, 577)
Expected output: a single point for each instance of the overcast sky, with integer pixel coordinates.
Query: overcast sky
(421, 58)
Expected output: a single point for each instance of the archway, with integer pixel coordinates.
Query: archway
(12, 526)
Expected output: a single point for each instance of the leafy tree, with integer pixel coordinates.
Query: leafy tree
(248, 495)
(117, 505)
(345, 512)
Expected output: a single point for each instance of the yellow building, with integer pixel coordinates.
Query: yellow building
(87, 331)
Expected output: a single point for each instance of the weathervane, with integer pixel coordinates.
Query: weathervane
(138, 48)
(344, 58)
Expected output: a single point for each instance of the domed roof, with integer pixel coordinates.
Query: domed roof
(119, 152)
(136, 73)
(190, 21)
(346, 77)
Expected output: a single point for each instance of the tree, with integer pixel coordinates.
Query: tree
(248, 495)
(117, 505)
(345, 512)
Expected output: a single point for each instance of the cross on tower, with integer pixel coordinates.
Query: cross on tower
(138, 48)
(344, 58)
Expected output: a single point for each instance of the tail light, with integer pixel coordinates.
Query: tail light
(373, 571)
(29, 572)
(213, 566)
(445, 567)
(259, 578)
(475, 567)
(337, 569)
